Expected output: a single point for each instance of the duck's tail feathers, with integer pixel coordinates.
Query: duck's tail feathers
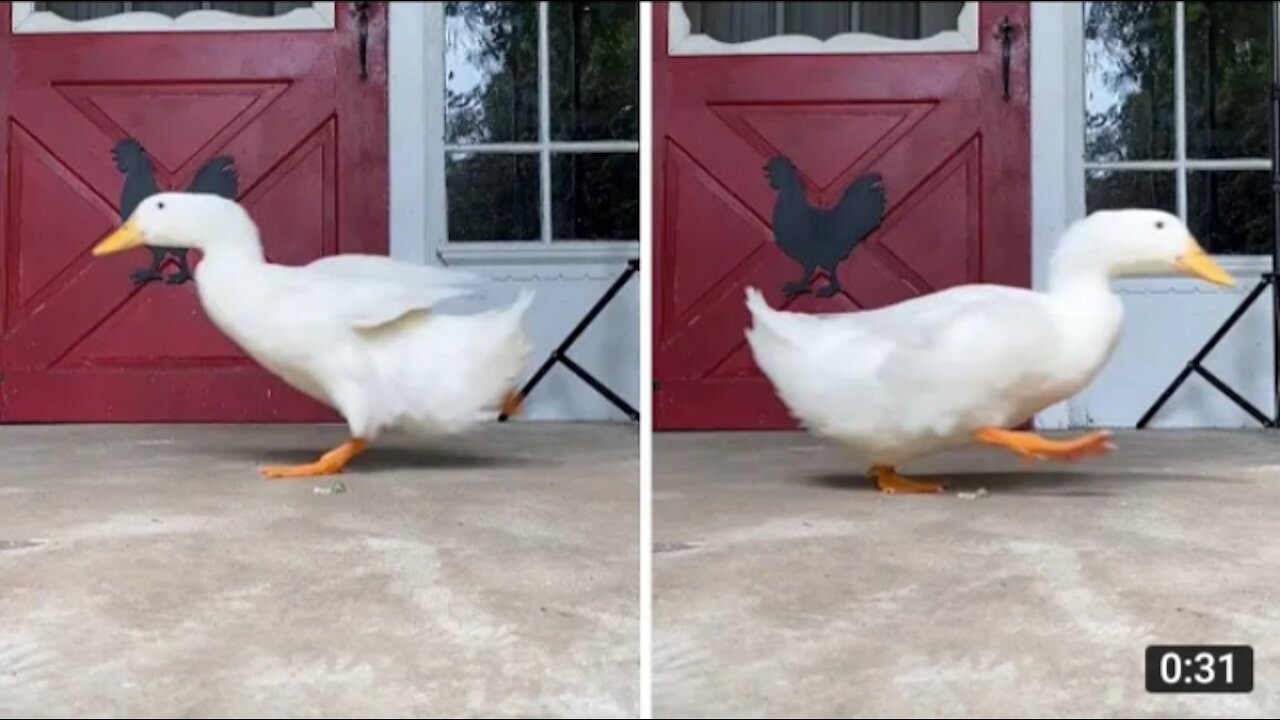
(767, 320)
(755, 300)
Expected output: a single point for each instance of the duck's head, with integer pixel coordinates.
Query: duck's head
(199, 221)
(1135, 242)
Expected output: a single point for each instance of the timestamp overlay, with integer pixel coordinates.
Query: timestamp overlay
(1199, 668)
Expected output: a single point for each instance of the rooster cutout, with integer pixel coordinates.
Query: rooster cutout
(215, 177)
(818, 238)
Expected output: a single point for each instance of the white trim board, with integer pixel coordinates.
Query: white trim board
(409, 125)
(27, 21)
(1056, 134)
(682, 41)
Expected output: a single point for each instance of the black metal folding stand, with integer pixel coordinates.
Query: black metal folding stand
(1267, 284)
(561, 353)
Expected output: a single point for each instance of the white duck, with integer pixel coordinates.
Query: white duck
(970, 362)
(360, 333)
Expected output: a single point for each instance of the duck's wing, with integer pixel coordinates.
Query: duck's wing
(366, 291)
(381, 268)
(913, 368)
(945, 337)
(987, 343)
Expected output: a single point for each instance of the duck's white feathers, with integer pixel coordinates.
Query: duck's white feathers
(917, 376)
(364, 336)
(447, 372)
(377, 289)
(926, 374)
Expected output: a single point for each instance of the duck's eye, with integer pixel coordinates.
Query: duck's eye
(160, 205)
(1159, 223)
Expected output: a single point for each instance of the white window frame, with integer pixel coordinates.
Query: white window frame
(1078, 165)
(681, 39)
(545, 249)
(26, 21)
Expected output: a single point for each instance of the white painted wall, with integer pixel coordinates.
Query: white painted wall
(566, 285)
(1167, 319)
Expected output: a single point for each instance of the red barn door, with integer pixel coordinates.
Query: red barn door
(284, 96)
(930, 116)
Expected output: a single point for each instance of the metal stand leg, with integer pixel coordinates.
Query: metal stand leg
(1194, 365)
(560, 354)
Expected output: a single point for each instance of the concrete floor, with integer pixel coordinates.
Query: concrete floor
(149, 572)
(786, 587)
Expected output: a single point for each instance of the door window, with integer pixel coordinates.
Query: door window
(726, 28)
(81, 17)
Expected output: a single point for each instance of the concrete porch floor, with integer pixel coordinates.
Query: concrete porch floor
(148, 571)
(785, 586)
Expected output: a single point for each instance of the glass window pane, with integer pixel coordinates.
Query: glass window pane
(596, 196)
(1230, 212)
(733, 21)
(1129, 108)
(824, 20)
(81, 10)
(491, 71)
(745, 21)
(902, 20)
(172, 9)
(493, 197)
(595, 75)
(1112, 189)
(259, 9)
(1228, 79)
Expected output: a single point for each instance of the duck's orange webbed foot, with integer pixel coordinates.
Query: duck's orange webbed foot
(511, 403)
(890, 482)
(331, 463)
(1029, 444)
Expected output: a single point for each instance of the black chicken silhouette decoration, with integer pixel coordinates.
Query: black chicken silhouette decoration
(215, 177)
(817, 237)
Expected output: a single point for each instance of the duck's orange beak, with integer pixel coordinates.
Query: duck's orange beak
(1196, 262)
(124, 237)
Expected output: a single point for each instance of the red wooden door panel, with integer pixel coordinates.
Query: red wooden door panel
(308, 138)
(954, 156)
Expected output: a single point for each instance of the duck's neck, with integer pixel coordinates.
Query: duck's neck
(236, 245)
(223, 254)
(230, 262)
(229, 280)
(1081, 265)
(1089, 313)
